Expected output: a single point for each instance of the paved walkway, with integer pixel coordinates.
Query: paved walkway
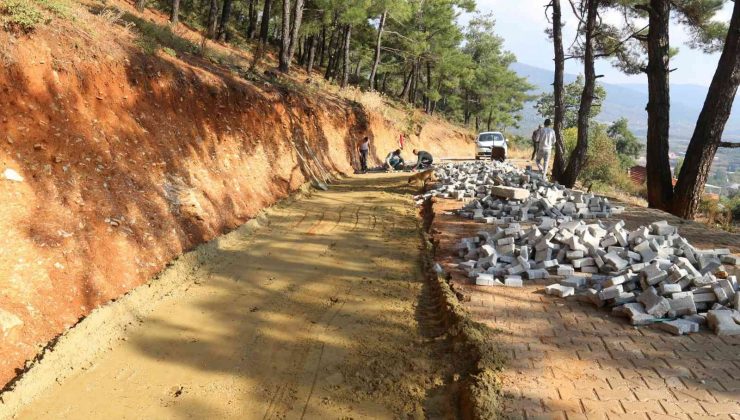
(571, 360)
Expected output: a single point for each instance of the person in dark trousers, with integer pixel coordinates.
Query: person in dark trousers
(394, 161)
(424, 159)
(536, 141)
(364, 149)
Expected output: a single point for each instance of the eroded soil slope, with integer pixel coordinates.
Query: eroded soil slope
(128, 159)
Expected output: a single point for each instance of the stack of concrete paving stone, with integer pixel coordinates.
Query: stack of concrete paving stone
(499, 193)
(650, 275)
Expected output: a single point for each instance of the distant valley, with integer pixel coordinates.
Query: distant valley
(629, 100)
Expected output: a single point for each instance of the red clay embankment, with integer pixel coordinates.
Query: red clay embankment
(130, 159)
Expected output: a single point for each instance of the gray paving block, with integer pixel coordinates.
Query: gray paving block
(723, 322)
(513, 281)
(559, 290)
(678, 326)
(655, 304)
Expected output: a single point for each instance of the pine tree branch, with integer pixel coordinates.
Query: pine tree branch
(729, 145)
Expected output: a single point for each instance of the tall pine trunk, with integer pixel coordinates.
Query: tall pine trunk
(331, 49)
(175, 13)
(225, 16)
(338, 55)
(578, 157)
(414, 83)
(212, 19)
(345, 62)
(284, 60)
(294, 39)
(303, 50)
(323, 46)
(378, 43)
(710, 124)
(252, 22)
(559, 90)
(428, 100)
(466, 109)
(311, 54)
(659, 179)
(406, 85)
(265, 24)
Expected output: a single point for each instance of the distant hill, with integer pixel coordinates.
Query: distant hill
(629, 100)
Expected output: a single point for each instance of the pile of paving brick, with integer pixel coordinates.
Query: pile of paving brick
(499, 193)
(651, 275)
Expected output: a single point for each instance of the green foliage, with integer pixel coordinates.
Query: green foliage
(493, 92)
(733, 203)
(460, 72)
(679, 165)
(169, 51)
(572, 100)
(519, 142)
(696, 15)
(20, 15)
(720, 213)
(625, 42)
(627, 145)
(60, 8)
(718, 177)
(603, 165)
(153, 37)
(26, 15)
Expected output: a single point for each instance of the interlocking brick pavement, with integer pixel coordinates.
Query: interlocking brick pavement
(571, 360)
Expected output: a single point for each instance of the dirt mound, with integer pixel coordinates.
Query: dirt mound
(128, 159)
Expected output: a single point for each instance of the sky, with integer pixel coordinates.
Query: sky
(522, 23)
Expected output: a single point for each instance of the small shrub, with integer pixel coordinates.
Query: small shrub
(602, 162)
(733, 204)
(169, 51)
(20, 15)
(716, 213)
(60, 8)
(519, 142)
(152, 36)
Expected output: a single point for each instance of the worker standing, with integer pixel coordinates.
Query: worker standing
(536, 141)
(364, 150)
(545, 140)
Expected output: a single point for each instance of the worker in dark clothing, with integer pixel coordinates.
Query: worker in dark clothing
(536, 141)
(424, 159)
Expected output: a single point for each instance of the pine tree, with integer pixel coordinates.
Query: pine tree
(558, 88)
(588, 22)
(710, 124)
(175, 13)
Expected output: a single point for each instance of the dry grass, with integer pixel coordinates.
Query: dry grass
(520, 153)
(619, 195)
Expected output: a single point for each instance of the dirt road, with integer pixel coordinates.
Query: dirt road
(320, 314)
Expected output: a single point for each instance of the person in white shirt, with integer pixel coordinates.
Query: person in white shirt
(364, 149)
(545, 140)
(394, 161)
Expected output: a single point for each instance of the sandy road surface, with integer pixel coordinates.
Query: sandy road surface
(320, 314)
